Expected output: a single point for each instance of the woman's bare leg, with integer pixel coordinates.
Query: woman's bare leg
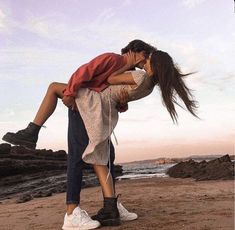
(28, 137)
(109, 214)
(48, 105)
(106, 184)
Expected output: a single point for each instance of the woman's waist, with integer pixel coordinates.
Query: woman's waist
(111, 93)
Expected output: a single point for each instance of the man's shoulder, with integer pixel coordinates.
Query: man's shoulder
(108, 59)
(109, 55)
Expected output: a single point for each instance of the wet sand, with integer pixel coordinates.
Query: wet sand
(161, 203)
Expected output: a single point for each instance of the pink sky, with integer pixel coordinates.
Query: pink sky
(154, 150)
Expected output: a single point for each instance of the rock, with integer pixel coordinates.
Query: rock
(220, 168)
(5, 148)
(24, 198)
(161, 161)
(19, 152)
(183, 169)
(39, 172)
(42, 194)
(10, 167)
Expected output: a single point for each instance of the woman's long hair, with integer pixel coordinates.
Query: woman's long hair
(170, 80)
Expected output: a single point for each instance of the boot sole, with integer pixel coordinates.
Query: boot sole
(13, 141)
(110, 222)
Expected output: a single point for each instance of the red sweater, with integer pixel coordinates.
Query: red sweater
(94, 74)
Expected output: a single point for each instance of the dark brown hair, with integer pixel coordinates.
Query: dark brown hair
(138, 46)
(170, 80)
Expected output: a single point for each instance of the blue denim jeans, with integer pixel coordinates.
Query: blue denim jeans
(77, 143)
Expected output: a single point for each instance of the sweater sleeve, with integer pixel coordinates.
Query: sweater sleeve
(86, 72)
(138, 76)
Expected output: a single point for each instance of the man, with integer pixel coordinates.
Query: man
(101, 67)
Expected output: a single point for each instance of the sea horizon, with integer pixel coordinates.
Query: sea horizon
(194, 157)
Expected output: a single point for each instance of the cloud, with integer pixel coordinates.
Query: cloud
(106, 14)
(3, 20)
(192, 3)
(40, 27)
(127, 2)
(59, 29)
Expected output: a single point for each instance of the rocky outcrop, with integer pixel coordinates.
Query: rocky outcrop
(27, 173)
(220, 168)
(162, 161)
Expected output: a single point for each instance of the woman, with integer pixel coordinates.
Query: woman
(101, 118)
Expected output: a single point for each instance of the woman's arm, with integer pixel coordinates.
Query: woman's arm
(121, 79)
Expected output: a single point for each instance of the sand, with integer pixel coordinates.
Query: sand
(161, 203)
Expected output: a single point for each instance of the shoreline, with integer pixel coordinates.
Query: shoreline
(161, 203)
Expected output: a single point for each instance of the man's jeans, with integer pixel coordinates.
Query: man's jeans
(77, 143)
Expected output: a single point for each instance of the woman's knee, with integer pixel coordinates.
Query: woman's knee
(53, 86)
(56, 88)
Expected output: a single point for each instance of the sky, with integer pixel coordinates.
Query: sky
(46, 41)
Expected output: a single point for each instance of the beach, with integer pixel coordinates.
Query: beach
(161, 203)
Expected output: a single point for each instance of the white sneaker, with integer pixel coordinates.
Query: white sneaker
(79, 220)
(125, 215)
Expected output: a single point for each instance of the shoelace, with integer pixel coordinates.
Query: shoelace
(84, 216)
(81, 217)
(122, 210)
(23, 130)
(111, 131)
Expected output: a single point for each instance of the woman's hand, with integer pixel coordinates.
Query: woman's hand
(69, 102)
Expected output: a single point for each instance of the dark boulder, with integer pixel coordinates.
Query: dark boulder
(37, 173)
(24, 198)
(5, 148)
(220, 168)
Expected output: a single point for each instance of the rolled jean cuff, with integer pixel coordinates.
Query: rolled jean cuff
(73, 202)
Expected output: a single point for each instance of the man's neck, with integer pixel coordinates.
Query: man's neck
(125, 58)
(128, 61)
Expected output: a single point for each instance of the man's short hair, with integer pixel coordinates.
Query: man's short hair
(138, 46)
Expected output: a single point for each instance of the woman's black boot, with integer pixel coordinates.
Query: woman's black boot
(26, 137)
(108, 215)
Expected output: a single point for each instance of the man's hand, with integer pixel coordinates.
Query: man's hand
(123, 98)
(122, 108)
(69, 102)
(131, 59)
(134, 59)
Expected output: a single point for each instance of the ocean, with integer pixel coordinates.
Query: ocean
(143, 169)
(157, 167)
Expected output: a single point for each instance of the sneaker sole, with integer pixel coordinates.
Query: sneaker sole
(128, 219)
(110, 222)
(81, 228)
(13, 141)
